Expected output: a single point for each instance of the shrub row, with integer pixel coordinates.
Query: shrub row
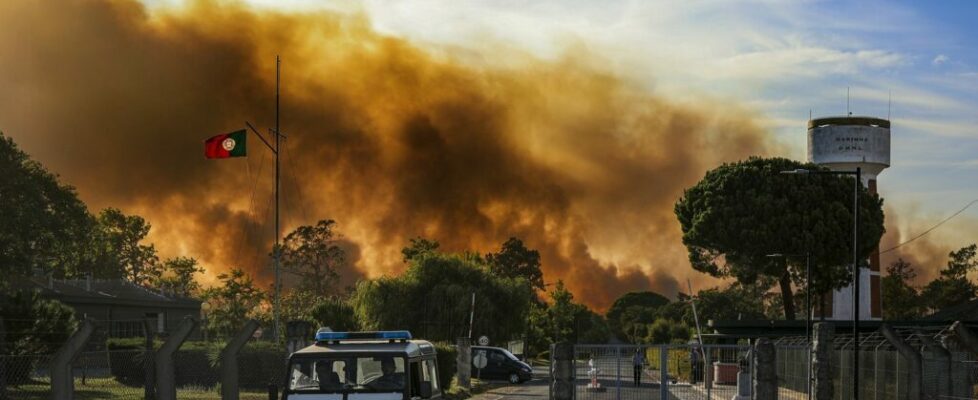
(196, 363)
(447, 356)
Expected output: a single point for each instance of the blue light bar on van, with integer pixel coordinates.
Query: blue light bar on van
(327, 336)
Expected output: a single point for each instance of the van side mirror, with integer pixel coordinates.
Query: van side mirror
(425, 390)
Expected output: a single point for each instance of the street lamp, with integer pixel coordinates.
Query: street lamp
(808, 303)
(857, 173)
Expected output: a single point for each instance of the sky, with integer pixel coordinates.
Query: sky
(914, 62)
(575, 125)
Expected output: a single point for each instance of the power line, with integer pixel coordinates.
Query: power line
(931, 228)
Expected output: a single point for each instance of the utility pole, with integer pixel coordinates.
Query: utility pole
(278, 285)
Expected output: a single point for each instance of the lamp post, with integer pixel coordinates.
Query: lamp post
(857, 173)
(808, 303)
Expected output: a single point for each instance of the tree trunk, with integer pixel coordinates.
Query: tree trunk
(787, 297)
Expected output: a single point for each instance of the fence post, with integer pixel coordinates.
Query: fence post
(963, 378)
(62, 381)
(149, 366)
(913, 359)
(965, 336)
(765, 370)
(463, 362)
(822, 368)
(664, 372)
(229, 360)
(944, 360)
(617, 372)
(563, 371)
(3, 352)
(166, 385)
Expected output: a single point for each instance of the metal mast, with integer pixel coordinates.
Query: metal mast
(278, 288)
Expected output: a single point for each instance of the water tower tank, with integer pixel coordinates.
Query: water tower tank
(844, 143)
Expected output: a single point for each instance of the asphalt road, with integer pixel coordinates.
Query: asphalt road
(538, 389)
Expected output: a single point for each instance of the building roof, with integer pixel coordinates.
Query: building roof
(967, 311)
(109, 292)
(412, 348)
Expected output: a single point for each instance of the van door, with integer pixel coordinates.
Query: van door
(497, 364)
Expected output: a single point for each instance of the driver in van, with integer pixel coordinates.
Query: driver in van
(328, 380)
(390, 379)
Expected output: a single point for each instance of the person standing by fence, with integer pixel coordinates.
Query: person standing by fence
(696, 363)
(638, 362)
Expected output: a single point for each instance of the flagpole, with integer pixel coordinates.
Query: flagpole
(277, 310)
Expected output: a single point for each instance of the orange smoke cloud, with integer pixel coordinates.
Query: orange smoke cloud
(391, 139)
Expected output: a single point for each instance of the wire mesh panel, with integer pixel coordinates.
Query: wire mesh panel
(603, 372)
(26, 376)
(630, 372)
(964, 373)
(793, 370)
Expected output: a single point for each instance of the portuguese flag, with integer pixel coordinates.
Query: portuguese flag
(227, 145)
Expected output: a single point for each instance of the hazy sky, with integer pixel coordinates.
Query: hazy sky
(605, 159)
(782, 59)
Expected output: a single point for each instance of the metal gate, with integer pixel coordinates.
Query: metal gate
(709, 372)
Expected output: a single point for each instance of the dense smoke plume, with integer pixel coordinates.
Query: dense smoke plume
(391, 139)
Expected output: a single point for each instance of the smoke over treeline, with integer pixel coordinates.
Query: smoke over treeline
(389, 138)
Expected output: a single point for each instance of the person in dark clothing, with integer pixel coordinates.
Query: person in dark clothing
(696, 361)
(638, 362)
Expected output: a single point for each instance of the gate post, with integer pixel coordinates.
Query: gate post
(166, 385)
(913, 359)
(229, 360)
(62, 381)
(563, 371)
(765, 370)
(463, 362)
(822, 368)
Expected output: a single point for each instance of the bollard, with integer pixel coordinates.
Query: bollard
(62, 381)
(563, 371)
(166, 385)
(229, 360)
(914, 385)
(765, 370)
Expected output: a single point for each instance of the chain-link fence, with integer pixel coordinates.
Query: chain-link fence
(126, 369)
(623, 372)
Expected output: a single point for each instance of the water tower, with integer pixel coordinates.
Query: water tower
(845, 143)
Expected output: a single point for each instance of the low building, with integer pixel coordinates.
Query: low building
(119, 306)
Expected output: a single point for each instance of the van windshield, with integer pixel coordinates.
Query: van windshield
(347, 374)
(509, 355)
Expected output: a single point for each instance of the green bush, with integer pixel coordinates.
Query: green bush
(447, 355)
(33, 325)
(259, 363)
